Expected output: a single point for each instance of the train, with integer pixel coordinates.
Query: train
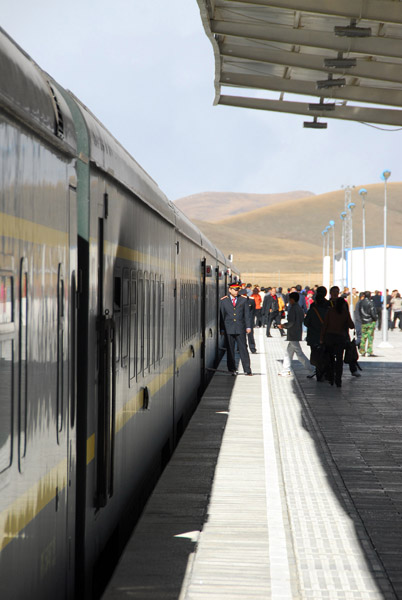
(109, 305)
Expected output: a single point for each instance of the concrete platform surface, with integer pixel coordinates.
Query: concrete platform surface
(280, 489)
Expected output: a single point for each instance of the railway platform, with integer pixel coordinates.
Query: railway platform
(280, 489)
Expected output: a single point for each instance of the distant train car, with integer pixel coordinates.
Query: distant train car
(109, 301)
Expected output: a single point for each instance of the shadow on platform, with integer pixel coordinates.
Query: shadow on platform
(177, 509)
(357, 430)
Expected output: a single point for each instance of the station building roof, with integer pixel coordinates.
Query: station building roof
(337, 59)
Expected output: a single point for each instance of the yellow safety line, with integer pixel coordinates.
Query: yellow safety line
(28, 231)
(24, 509)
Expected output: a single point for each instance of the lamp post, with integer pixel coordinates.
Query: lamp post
(348, 199)
(332, 226)
(385, 344)
(325, 258)
(363, 194)
(351, 206)
(343, 217)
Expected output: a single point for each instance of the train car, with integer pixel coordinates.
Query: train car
(38, 268)
(109, 301)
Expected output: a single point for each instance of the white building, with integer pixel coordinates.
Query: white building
(351, 272)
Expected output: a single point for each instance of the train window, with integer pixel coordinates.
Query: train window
(6, 299)
(162, 317)
(117, 293)
(157, 317)
(60, 350)
(140, 317)
(133, 325)
(182, 314)
(6, 395)
(186, 309)
(23, 360)
(146, 322)
(116, 311)
(189, 311)
(125, 318)
(152, 321)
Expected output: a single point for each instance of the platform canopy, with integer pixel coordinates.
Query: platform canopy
(337, 59)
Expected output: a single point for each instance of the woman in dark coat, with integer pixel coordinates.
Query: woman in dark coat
(314, 320)
(334, 335)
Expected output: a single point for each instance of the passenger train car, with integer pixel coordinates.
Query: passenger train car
(109, 300)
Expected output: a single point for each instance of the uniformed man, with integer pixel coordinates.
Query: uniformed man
(251, 306)
(235, 323)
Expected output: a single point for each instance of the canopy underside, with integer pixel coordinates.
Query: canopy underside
(342, 58)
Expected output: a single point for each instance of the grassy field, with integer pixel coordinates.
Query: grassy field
(285, 237)
(222, 205)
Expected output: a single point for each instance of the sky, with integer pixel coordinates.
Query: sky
(145, 68)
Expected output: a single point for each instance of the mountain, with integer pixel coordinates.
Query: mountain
(215, 206)
(284, 242)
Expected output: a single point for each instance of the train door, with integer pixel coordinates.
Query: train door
(72, 391)
(106, 359)
(176, 336)
(217, 312)
(203, 319)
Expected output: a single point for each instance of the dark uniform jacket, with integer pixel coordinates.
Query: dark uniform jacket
(251, 304)
(235, 320)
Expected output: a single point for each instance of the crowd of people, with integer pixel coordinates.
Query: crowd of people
(298, 311)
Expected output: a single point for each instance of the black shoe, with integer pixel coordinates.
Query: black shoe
(249, 373)
(234, 373)
(371, 355)
(253, 351)
(269, 335)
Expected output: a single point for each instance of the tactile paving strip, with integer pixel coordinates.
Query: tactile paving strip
(334, 557)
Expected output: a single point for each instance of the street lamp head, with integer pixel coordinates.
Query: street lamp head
(385, 175)
(343, 215)
(363, 192)
(351, 205)
(332, 223)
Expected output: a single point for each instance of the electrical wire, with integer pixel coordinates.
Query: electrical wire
(380, 128)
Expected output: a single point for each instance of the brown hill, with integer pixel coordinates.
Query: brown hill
(286, 238)
(215, 206)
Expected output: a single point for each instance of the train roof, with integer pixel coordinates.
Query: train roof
(112, 158)
(27, 95)
(38, 101)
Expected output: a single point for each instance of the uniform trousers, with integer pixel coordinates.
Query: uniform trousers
(251, 340)
(231, 340)
(258, 317)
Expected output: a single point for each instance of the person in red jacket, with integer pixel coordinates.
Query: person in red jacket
(258, 306)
